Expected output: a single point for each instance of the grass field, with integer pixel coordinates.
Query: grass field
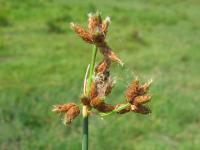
(42, 62)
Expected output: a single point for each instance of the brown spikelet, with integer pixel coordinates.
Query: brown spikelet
(123, 111)
(85, 35)
(142, 99)
(108, 53)
(132, 91)
(140, 109)
(103, 66)
(94, 22)
(85, 100)
(72, 113)
(100, 105)
(62, 107)
(105, 107)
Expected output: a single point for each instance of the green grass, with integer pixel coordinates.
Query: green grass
(42, 62)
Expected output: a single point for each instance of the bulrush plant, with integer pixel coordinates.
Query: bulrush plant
(98, 83)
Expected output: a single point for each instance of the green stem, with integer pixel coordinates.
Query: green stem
(90, 78)
(85, 111)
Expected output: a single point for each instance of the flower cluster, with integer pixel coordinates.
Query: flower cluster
(102, 83)
(96, 34)
(136, 95)
(70, 110)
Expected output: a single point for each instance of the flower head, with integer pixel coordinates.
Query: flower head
(136, 95)
(96, 34)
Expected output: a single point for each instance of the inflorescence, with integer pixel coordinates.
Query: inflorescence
(136, 95)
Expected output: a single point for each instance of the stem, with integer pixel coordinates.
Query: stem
(85, 111)
(94, 54)
(85, 129)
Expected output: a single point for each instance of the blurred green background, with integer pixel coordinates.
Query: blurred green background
(42, 62)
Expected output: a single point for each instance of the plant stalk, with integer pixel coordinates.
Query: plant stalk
(85, 141)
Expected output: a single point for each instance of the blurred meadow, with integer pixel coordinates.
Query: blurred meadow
(42, 62)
